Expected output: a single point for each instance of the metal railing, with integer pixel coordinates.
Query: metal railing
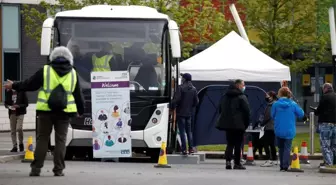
(312, 132)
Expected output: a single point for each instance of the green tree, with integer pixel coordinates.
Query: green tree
(285, 26)
(202, 23)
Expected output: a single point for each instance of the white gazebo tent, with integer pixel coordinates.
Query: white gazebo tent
(234, 58)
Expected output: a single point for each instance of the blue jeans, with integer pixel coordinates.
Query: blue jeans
(184, 126)
(285, 146)
(328, 142)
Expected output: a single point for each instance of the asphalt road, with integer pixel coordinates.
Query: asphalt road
(211, 172)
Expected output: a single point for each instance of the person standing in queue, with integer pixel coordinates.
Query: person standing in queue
(185, 100)
(268, 139)
(326, 112)
(59, 99)
(284, 113)
(16, 103)
(234, 119)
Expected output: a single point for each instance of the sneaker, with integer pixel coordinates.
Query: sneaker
(21, 146)
(228, 165)
(267, 164)
(184, 153)
(323, 164)
(239, 167)
(59, 174)
(14, 149)
(275, 162)
(283, 169)
(34, 174)
(191, 151)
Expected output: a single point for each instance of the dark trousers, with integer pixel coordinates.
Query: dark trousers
(234, 140)
(184, 126)
(269, 145)
(257, 144)
(285, 146)
(45, 123)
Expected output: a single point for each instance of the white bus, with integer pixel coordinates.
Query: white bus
(144, 42)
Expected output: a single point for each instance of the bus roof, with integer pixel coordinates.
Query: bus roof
(112, 11)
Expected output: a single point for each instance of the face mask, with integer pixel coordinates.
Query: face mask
(243, 89)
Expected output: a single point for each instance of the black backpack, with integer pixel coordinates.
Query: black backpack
(58, 99)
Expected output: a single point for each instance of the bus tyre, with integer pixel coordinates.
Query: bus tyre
(154, 154)
(69, 154)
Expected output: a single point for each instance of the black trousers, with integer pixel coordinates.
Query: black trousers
(234, 140)
(46, 122)
(269, 145)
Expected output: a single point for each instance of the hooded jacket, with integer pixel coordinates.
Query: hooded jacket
(62, 62)
(234, 111)
(284, 113)
(185, 99)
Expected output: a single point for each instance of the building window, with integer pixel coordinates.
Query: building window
(11, 27)
(12, 66)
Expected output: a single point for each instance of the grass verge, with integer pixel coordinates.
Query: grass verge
(296, 142)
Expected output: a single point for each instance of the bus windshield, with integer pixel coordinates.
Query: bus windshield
(120, 45)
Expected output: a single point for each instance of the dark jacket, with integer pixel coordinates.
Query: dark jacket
(326, 110)
(268, 121)
(185, 99)
(21, 101)
(234, 111)
(35, 82)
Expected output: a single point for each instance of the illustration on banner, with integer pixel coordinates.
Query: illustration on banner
(122, 138)
(119, 124)
(96, 144)
(115, 112)
(109, 141)
(102, 115)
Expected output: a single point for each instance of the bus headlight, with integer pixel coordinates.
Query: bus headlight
(154, 120)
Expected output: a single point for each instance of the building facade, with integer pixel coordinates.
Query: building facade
(20, 55)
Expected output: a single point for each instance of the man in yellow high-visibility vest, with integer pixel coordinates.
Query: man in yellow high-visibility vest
(101, 60)
(58, 74)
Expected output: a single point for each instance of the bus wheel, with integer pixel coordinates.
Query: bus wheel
(154, 154)
(69, 154)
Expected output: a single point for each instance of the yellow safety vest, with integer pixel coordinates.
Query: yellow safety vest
(102, 63)
(50, 81)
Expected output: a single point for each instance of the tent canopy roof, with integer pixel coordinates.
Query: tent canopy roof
(232, 57)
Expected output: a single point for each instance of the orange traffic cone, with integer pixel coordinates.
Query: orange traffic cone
(250, 158)
(295, 165)
(162, 163)
(29, 155)
(304, 153)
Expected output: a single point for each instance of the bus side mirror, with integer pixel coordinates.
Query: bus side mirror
(46, 36)
(174, 34)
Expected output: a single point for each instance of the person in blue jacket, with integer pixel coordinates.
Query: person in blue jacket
(284, 113)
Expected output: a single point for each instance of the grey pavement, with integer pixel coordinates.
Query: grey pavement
(6, 142)
(210, 172)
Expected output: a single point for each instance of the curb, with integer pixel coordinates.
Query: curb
(24, 130)
(221, 156)
(8, 158)
(327, 170)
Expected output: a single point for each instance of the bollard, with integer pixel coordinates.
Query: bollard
(311, 132)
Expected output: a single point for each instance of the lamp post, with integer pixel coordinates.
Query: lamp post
(333, 41)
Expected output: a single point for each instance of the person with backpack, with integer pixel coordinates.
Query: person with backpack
(59, 99)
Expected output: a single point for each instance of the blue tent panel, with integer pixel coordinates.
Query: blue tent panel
(204, 130)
